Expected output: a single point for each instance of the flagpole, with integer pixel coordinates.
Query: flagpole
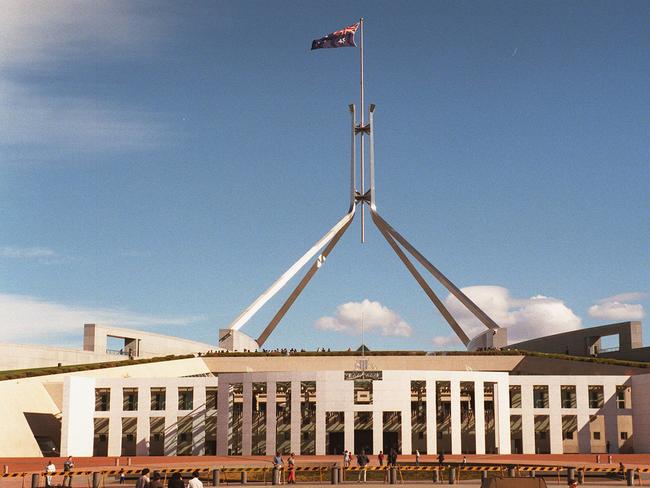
(363, 112)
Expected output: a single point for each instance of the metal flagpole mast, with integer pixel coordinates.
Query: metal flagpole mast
(361, 159)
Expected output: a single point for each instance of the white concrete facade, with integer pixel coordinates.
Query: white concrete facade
(334, 394)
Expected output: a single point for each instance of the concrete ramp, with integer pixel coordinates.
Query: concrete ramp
(513, 483)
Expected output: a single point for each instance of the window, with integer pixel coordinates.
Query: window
(596, 396)
(596, 436)
(540, 396)
(185, 398)
(211, 395)
(568, 396)
(621, 396)
(129, 399)
(102, 399)
(623, 436)
(158, 397)
(515, 396)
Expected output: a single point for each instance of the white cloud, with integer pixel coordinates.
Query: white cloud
(444, 341)
(376, 318)
(37, 320)
(26, 252)
(39, 33)
(39, 122)
(619, 308)
(526, 318)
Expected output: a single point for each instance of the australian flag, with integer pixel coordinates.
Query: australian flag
(341, 38)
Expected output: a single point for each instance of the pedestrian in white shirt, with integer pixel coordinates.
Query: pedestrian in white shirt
(50, 469)
(195, 482)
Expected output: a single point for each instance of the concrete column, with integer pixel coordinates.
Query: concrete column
(223, 417)
(142, 426)
(295, 417)
(247, 419)
(198, 421)
(348, 434)
(555, 419)
(78, 424)
(171, 430)
(502, 416)
(582, 412)
(479, 416)
(142, 433)
(611, 420)
(407, 438)
(432, 434)
(455, 417)
(115, 422)
(527, 419)
(377, 432)
(271, 420)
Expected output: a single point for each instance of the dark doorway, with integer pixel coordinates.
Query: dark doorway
(363, 441)
(335, 442)
(391, 441)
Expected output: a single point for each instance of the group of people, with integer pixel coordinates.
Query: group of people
(278, 463)
(50, 470)
(156, 480)
(363, 460)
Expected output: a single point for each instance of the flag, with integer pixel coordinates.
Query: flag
(341, 38)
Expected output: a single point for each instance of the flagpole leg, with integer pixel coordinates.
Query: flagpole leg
(362, 148)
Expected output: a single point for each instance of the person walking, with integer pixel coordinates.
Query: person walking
(156, 482)
(362, 461)
(195, 482)
(67, 472)
(346, 459)
(176, 481)
(380, 458)
(143, 480)
(291, 465)
(392, 457)
(122, 476)
(278, 463)
(50, 469)
(441, 457)
(417, 457)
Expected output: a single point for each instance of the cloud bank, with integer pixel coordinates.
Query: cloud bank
(26, 252)
(525, 318)
(41, 40)
(619, 308)
(377, 318)
(36, 320)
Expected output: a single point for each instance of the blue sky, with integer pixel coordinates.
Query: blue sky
(162, 163)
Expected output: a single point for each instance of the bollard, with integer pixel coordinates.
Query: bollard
(436, 476)
(484, 475)
(117, 461)
(452, 475)
(598, 458)
(629, 477)
(511, 471)
(244, 477)
(275, 480)
(392, 475)
(581, 477)
(35, 480)
(609, 459)
(334, 476)
(97, 477)
(215, 477)
(570, 474)
(533, 474)
(6, 469)
(128, 461)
